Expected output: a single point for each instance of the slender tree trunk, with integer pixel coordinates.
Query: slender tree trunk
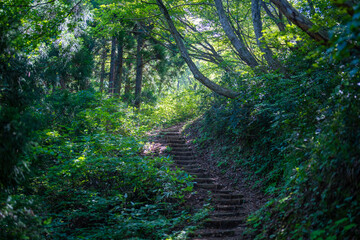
(127, 84)
(119, 69)
(279, 23)
(139, 70)
(103, 61)
(235, 40)
(112, 65)
(301, 21)
(185, 55)
(256, 17)
(62, 82)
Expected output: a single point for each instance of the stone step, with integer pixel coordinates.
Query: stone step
(229, 207)
(180, 154)
(186, 162)
(222, 191)
(227, 214)
(201, 175)
(175, 151)
(204, 180)
(183, 146)
(172, 145)
(192, 171)
(171, 130)
(178, 140)
(195, 170)
(227, 196)
(181, 149)
(187, 166)
(177, 157)
(184, 159)
(171, 133)
(237, 236)
(229, 201)
(215, 233)
(174, 137)
(171, 142)
(224, 223)
(209, 186)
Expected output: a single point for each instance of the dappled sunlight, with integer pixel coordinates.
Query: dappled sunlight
(155, 148)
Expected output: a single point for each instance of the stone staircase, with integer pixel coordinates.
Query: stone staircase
(227, 221)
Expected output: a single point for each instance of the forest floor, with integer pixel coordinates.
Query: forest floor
(229, 192)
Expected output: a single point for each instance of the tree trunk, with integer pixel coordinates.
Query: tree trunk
(185, 55)
(235, 40)
(112, 66)
(276, 20)
(256, 17)
(301, 21)
(119, 69)
(62, 82)
(127, 83)
(103, 61)
(139, 68)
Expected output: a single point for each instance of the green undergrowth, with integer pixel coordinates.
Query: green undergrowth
(86, 177)
(300, 135)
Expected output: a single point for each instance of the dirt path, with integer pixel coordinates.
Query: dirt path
(228, 219)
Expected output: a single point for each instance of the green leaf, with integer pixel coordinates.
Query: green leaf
(350, 226)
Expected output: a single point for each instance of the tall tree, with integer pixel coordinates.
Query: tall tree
(235, 40)
(184, 53)
(119, 66)
(277, 20)
(301, 21)
(112, 65)
(103, 61)
(139, 67)
(256, 17)
(127, 88)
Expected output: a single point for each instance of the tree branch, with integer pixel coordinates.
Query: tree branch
(184, 53)
(301, 21)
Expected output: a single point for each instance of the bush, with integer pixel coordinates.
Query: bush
(101, 187)
(89, 178)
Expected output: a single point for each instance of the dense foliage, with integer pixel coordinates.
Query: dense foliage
(88, 177)
(300, 134)
(83, 82)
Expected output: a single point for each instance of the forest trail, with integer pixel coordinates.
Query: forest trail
(228, 219)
